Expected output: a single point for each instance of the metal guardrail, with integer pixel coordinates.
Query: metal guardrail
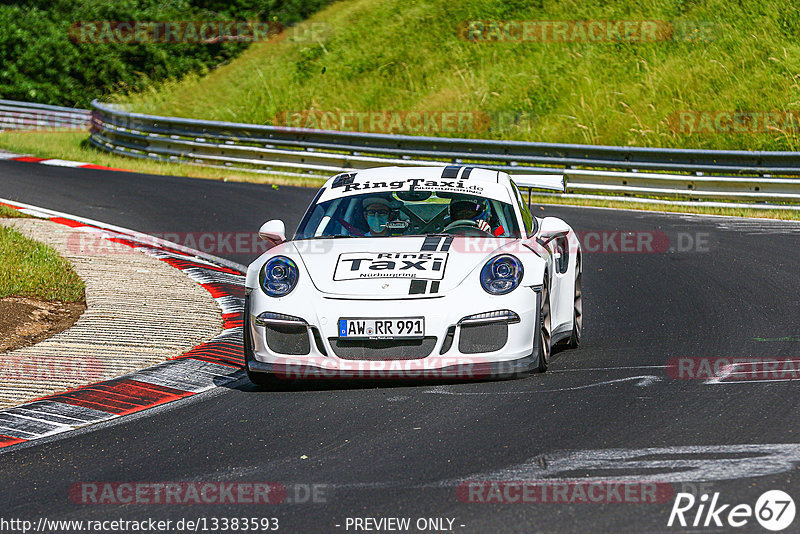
(307, 152)
(505, 154)
(26, 116)
(708, 176)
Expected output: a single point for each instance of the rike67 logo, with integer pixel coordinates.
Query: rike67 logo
(774, 510)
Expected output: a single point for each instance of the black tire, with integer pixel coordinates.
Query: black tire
(577, 309)
(543, 339)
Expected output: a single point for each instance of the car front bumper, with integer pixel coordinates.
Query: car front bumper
(316, 318)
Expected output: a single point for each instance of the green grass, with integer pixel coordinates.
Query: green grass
(542, 201)
(396, 55)
(71, 145)
(11, 213)
(32, 269)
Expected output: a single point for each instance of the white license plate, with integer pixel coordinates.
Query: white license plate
(388, 328)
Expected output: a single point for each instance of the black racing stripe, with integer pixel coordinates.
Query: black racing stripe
(435, 286)
(431, 243)
(418, 287)
(466, 173)
(446, 245)
(451, 171)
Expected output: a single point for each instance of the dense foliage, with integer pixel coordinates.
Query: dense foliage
(40, 63)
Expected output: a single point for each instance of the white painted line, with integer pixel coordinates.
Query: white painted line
(765, 381)
(63, 163)
(728, 371)
(695, 463)
(608, 368)
(644, 380)
(34, 213)
(21, 427)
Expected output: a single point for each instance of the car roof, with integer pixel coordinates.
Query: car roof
(426, 172)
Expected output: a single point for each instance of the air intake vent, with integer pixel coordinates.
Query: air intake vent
(288, 339)
(383, 349)
(473, 339)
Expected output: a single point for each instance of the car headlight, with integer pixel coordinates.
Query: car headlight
(279, 276)
(501, 274)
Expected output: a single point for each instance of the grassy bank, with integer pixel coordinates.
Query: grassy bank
(393, 55)
(32, 269)
(541, 201)
(10, 213)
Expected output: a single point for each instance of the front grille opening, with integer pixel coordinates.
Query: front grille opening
(474, 339)
(448, 340)
(288, 339)
(383, 349)
(318, 341)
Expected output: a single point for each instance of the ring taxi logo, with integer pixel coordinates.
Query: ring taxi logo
(774, 510)
(422, 265)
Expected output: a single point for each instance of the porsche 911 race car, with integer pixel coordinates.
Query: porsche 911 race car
(414, 272)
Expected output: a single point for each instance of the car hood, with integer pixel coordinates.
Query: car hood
(394, 267)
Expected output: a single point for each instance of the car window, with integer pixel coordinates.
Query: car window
(409, 213)
(527, 218)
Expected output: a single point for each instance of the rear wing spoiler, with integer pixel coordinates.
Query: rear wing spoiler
(550, 182)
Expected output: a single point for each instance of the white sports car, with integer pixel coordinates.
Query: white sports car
(414, 272)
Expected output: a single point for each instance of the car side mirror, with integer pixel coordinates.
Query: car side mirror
(551, 228)
(273, 230)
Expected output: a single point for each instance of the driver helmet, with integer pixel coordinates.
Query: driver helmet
(466, 210)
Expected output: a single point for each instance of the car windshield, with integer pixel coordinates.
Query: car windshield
(407, 213)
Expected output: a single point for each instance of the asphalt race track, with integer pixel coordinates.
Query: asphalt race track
(712, 288)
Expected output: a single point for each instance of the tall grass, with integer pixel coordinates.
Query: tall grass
(402, 55)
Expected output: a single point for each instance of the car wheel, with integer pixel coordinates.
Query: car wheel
(577, 313)
(543, 336)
